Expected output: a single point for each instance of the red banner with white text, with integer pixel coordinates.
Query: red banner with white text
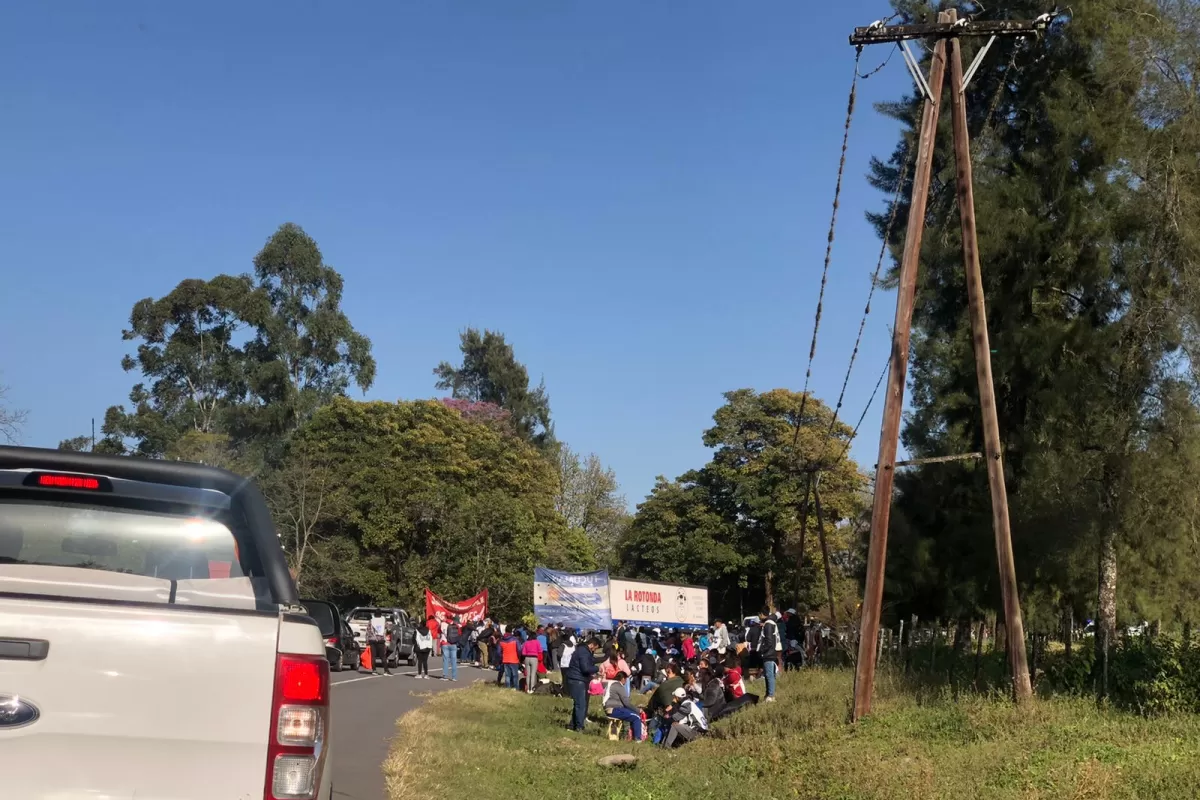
(473, 609)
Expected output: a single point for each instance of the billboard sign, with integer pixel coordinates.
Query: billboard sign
(666, 605)
(575, 599)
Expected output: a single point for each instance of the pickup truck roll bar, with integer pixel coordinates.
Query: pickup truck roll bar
(246, 501)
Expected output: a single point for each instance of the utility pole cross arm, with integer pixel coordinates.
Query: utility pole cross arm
(887, 34)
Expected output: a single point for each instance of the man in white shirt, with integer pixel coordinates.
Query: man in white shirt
(377, 636)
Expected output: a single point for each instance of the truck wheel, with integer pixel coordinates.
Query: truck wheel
(412, 660)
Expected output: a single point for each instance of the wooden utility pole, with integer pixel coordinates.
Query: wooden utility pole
(983, 373)
(893, 401)
(824, 552)
(947, 30)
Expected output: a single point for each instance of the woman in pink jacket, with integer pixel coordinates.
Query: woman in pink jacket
(531, 651)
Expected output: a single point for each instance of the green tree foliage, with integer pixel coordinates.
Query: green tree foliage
(421, 496)
(305, 351)
(589, 500)
(188, 352)
(490, 373)
(1087, 273)
(679, 536)
(737, 520)
(232, 364)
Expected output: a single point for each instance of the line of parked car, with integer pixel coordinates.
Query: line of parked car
(346, 634)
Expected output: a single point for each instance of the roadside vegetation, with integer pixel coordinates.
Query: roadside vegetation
(919, 743)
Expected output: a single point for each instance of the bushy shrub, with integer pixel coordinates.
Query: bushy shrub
(1147, 675)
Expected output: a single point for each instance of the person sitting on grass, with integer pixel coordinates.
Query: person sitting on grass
(712, 694)
(736, 693)
(618, 706)
(663, 698)
(687, 720)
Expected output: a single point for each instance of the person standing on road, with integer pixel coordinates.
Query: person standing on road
(377, 630)
(487, 635)
(451, 634)
(578, 675)
(423, 644)
(531, 650)
(510, 659)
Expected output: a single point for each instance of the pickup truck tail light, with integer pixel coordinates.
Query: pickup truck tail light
(299, 721)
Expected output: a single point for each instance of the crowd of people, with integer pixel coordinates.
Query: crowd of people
(690, 677)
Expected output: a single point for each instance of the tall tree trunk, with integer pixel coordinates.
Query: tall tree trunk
(1106, 615)
(769, 589)
(962, 635)
(1069, 630)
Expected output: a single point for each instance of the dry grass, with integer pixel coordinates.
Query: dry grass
(510, 745)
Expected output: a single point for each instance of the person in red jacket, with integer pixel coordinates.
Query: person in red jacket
(510, 659)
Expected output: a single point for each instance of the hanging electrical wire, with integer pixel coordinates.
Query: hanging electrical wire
(879, 69)
(883, 248)
(837, 196)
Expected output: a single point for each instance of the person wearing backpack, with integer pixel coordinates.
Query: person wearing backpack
(451, 634)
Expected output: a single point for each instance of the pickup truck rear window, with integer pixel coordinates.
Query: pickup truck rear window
(116, 539)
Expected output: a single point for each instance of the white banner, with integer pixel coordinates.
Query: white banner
(661, 604)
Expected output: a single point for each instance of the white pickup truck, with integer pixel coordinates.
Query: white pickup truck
(152, 645)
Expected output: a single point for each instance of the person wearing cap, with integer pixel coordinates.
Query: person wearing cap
(688, 722)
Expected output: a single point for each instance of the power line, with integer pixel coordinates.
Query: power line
(837, 196)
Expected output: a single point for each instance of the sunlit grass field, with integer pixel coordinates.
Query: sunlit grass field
(489, 742)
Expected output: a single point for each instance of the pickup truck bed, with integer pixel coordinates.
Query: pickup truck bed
(151, 644)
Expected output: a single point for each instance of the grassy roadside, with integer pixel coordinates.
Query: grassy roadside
(494, 742)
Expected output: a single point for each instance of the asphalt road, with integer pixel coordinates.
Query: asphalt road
(365, 710)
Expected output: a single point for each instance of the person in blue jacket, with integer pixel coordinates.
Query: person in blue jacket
(578, 675)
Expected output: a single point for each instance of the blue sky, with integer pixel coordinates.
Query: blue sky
(636, 193)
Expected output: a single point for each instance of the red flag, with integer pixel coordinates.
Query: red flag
(472, 609)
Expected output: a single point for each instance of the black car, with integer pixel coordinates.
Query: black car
(341, 649)
(404, 638)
